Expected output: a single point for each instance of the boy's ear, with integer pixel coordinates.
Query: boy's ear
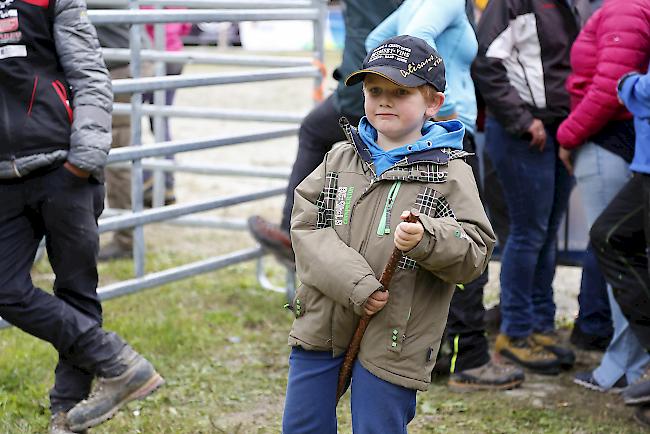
(433, 105)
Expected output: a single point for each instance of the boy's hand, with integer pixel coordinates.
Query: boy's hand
(408, 235)
(375, 302)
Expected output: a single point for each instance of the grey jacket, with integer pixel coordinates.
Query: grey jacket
(92, 97)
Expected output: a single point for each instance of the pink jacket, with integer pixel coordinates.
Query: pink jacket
(174, 32)
(615, 40)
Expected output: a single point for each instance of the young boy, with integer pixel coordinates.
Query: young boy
(345, 224)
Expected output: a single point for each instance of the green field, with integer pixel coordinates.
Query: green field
(220, 342)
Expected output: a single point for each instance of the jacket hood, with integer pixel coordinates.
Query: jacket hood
(435, 136)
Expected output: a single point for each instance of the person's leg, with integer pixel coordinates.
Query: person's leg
(378, 406)
(600, 175)
(118, 181)
(530, 179)
(624, 357)
(495, 202)
(319, 130)
(620, 245)
(310, 404)
(466, 322)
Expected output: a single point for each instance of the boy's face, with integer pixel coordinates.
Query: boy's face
(397, 112)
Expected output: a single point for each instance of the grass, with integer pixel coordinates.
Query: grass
(220, 342)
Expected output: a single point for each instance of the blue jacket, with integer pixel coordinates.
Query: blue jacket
(445, 26)
(634, 91)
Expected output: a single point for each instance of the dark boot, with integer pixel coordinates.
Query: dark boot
(491, 376)
(59, 425)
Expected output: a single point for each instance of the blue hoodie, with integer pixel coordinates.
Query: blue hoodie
(635, 93)
(447, 134)
(445, 26)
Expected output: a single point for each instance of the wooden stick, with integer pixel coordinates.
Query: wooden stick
(355, 343)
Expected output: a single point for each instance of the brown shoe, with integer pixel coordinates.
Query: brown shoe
(59, 425)
(528, 354)
(491, 376)
(109, 394)
(272, 238)
(551, 341)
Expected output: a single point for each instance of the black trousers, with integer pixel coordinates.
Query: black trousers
(466, 321)
(621, 236)
(63, 208)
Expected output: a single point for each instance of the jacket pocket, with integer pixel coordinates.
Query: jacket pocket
(62, 93)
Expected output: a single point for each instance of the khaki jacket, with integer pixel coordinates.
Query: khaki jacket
(342, 229)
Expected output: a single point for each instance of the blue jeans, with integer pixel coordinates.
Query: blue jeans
(310, 407)
(600, 175)
(536, 190)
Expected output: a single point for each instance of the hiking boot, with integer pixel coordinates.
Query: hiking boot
(273, 239)
(588, 342)
(642, 416)
(528, 354)
(639, 391)
(139, 380)
(491, 376)
(586, 379)
(551, 342)
(113, 251)
(59, 425)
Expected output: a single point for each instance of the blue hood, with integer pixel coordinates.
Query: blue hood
(435, 135)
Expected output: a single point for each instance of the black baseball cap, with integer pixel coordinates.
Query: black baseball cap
(405, 60)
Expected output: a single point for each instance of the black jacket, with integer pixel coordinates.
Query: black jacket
(523, 59)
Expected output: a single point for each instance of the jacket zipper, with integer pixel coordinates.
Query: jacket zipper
(33, 97)
(384, 222)
(59, 88)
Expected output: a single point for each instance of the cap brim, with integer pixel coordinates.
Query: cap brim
(387, 72)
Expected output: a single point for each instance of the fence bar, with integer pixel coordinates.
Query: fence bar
(150, 84)
(177, 273)
(202, 169)
(191, 221)
(188, 56)
(209, 113)
(207, 4)
(137, 175)
(117, 16)
(172, 211)
(173, 147)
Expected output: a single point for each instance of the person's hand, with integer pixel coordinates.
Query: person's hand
(408, 235)
(538, 133)
(75, 170)
(375, 302)
(565, 155)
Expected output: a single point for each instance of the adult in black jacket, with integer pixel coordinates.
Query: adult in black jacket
(520, 70)
(55, 102)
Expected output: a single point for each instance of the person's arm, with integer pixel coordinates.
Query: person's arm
(80, 56)
(496, 42)
(634, 91)
(619, 50)
(386, 29)
(323, 260)
(457, 249)
(427, 22)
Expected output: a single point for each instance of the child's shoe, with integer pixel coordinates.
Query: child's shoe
(528, 354)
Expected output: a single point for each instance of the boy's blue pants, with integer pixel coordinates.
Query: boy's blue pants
(378, 407)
